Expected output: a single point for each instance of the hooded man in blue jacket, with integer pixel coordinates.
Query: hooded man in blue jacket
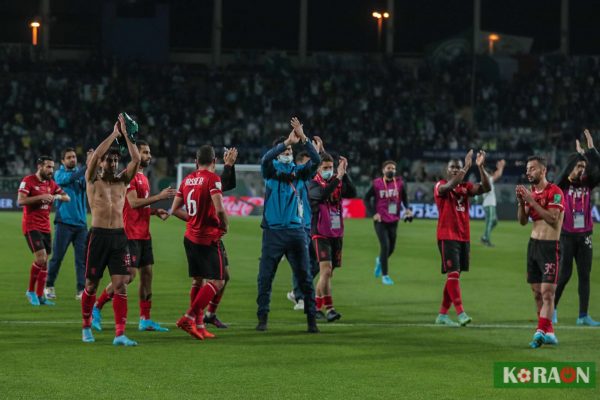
(286, 217)
(70, 224)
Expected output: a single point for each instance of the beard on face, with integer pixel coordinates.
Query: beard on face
(144, 163)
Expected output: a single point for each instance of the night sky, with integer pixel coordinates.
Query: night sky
(333, 25)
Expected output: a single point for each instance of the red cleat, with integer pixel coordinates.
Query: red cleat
(188, 325)
(206, 334)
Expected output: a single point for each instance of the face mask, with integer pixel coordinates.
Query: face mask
(326, 174)
(284, 159)
(390, 174)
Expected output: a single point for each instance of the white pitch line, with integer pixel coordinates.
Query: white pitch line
(336, 324)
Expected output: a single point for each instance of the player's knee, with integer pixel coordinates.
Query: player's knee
(41, 261)
(91, 287)
(455, 274)
(197, 282)
(119, 287)
(217, 284)
(548, 296)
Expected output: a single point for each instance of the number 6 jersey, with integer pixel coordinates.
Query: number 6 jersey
(196, 190)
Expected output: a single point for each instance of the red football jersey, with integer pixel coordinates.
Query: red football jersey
(36, 217)
(137, 220)
(550, 197)
(453, 209)
(203, 223)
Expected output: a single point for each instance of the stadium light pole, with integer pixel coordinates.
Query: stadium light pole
(380, 16)
(564, 27)
(492, 38)
(302, 33)
(34, 32)
(217, 30)
(390, 29)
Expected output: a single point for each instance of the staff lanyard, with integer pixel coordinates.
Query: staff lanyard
(395, 188)
(583, 195)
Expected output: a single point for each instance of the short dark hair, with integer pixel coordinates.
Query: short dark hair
(42, 159)
(539, 159)
(113, 151)
(388, 162)
(141, 143)
(205, 155)
(280, 139)
(456, 160)
(65, 151)
(326, 157)
(301, 155)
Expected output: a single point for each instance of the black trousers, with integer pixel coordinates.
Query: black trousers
(386, 233)
(578, 247)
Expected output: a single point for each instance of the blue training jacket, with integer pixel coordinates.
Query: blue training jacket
(285, 186)
(72, 181)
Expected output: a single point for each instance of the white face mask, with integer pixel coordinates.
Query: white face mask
(282, 158)
(326, 174)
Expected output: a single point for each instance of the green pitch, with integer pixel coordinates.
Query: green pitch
(383, 347)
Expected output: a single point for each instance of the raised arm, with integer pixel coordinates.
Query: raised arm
(94, 160)
(499, 170)
(307, 170)
(593, 158)
(134, 153)
(551, 215)
(485, 185)
(458, 178)
(266, 164)
(228, 176)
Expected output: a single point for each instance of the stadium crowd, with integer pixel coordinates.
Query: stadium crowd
(370, 112)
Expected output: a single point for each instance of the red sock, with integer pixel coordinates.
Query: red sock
(206, 293)
(87, 303)
(33, 274)
(319, 301)
(145, 306)
(328, 302)
(193, 293)
(446, 300)
(453, 285)
(103, 299)
(545, 325)
(41, 282)
(214, 303)
(120, 309)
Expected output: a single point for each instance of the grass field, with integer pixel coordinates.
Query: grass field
(384, 347)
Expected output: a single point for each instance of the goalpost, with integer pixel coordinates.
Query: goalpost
(248, 196)
(185, 168)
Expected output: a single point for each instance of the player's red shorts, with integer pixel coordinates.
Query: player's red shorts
(106, 247)
(37, 241)
(328, 249)
(204, 261)
(455, 255)
(543, 261)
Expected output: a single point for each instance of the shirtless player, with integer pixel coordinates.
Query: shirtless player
(545, 205)
(107, 242)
